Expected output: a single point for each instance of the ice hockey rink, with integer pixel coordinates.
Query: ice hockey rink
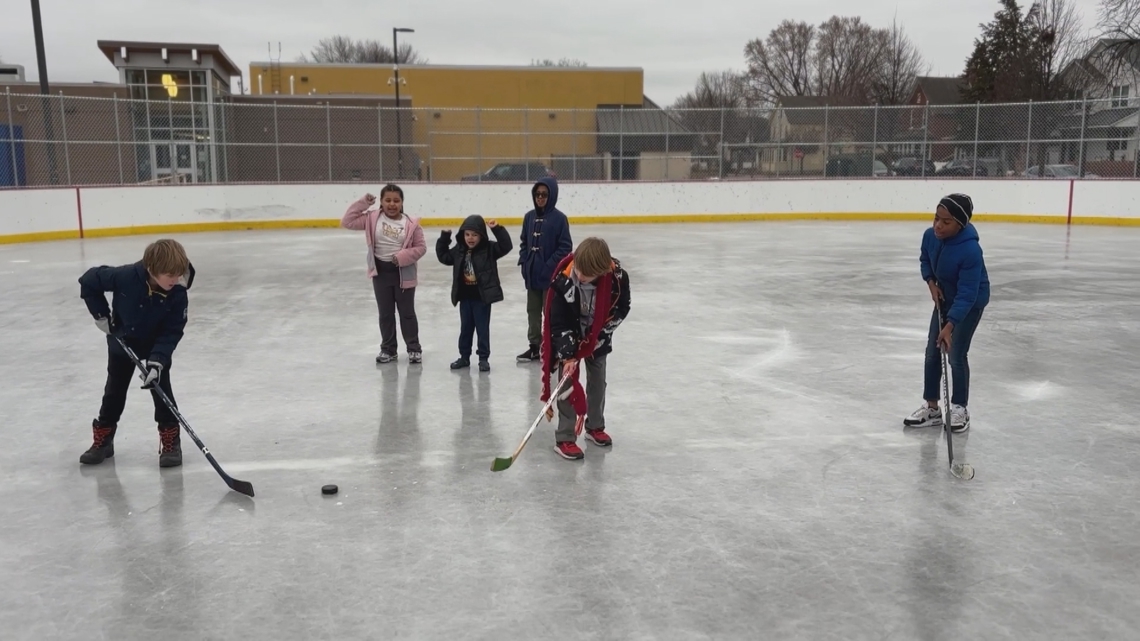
(761, 484)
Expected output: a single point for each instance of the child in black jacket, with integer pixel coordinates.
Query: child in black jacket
(587, 300)
(475, 282)
(148, 312)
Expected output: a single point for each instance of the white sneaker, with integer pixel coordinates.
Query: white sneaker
(959, 419)
(924, 416)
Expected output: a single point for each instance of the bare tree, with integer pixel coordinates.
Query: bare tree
(561, 62)
(715, 90)
(848, 58)
(1056, 40)
(780, 65)
(1119, 25)
(901, 65)
(342, 49)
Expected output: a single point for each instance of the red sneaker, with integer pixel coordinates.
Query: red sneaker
(569, 450)
(599, 437)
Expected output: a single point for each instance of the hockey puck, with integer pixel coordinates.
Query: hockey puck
(329, 489)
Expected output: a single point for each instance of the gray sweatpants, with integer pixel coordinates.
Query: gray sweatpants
(595, 373)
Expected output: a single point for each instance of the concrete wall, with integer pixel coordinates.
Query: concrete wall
(32, 215)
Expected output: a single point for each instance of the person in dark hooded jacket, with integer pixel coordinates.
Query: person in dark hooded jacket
(544, 242)
(475, 282)
(148, 312)
(951, 263)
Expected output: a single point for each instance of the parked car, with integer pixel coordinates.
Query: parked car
(912, 166)
(975, 167)
(511, 172)
(1056, 171)
(860, 165)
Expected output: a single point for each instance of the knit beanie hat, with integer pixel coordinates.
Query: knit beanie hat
(960, 206)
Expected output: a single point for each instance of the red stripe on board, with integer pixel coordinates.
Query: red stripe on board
(79, 210)
(1070, 220)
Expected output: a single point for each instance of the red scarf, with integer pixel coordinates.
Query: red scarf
(602, 304)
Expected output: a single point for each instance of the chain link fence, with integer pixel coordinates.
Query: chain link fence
(68, 140)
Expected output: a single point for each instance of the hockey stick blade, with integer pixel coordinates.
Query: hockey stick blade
(500, 464)
(243, 487)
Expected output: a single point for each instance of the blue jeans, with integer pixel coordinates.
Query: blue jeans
(957, 360)
(474, 315)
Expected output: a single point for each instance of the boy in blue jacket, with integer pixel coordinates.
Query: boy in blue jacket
(544, 242)
(951, 263)
(148, 311)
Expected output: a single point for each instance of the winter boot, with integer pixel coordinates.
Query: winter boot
(529, 355)
(461, 363)
(484, 366)
(599, 437)
(924, 416)
(170, 446)
(569, 450)
(103, 446)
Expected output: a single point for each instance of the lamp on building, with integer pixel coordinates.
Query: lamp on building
(396, 71)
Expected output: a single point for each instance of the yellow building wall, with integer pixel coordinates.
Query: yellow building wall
(467, 119)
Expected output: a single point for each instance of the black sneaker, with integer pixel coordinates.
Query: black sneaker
(529, 355)
(102, 445)
(484, 366)
(460, 363)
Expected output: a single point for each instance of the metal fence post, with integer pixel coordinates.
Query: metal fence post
(479, 141)
(526, 142)
(621, 142)
(1029, 137)
(826, 147)
(977, 125)
(668, 121)
(720, 146)
(926, 155)
(328, 134)
(12, 141)
(170, 140)
(574, 143)
(118, 136)
(875, 140)
(1084, 131)
(1135, 148)
(66, 148)
(276, 141)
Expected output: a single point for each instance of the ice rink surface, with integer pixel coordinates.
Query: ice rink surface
(761, 484)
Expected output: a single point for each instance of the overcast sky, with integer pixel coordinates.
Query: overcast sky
(672, 40)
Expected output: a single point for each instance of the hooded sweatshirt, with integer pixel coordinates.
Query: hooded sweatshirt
(957, 265)
(475, 273)
(545, 239)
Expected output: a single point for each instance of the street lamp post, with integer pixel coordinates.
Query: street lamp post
(41, 62)
(399, 126)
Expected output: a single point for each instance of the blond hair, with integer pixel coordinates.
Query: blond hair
(592, 258)
(166, 257)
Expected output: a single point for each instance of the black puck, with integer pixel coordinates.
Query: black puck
(329, 489)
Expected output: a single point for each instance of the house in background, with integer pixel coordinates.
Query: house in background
(1106, 81)
(928, 127)
(806, 131)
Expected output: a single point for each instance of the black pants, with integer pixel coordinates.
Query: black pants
(474, 315)
(121, 374)
(389, 298)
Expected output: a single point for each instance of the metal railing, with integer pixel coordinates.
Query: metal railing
(69, 140)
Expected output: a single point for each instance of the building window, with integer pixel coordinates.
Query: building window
(1120, 95)
(1116, 145)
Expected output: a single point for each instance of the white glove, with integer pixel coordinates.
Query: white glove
(104, 324)
(153, 373)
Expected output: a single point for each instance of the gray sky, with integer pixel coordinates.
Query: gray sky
(673, 41)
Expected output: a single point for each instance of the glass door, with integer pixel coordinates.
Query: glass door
(174, 162)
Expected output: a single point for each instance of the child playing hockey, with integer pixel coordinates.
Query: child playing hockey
(148, 312)
(544, 242)
(395, 244)
(951, 263)
(587, 300)
(474, 283)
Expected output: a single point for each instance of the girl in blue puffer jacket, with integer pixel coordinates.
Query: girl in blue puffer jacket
(952, 266)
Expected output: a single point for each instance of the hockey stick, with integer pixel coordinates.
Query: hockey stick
(500, 464)
(960, 470)
(244, 487)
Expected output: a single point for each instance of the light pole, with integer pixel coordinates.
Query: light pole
(41, 62)
(399, 126)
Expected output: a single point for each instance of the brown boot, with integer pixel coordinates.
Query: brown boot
(102, 446)
(170, 446)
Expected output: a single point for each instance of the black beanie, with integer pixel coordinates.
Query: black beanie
(960, 207)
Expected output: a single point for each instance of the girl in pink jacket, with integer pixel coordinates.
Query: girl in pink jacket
(395, 244)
